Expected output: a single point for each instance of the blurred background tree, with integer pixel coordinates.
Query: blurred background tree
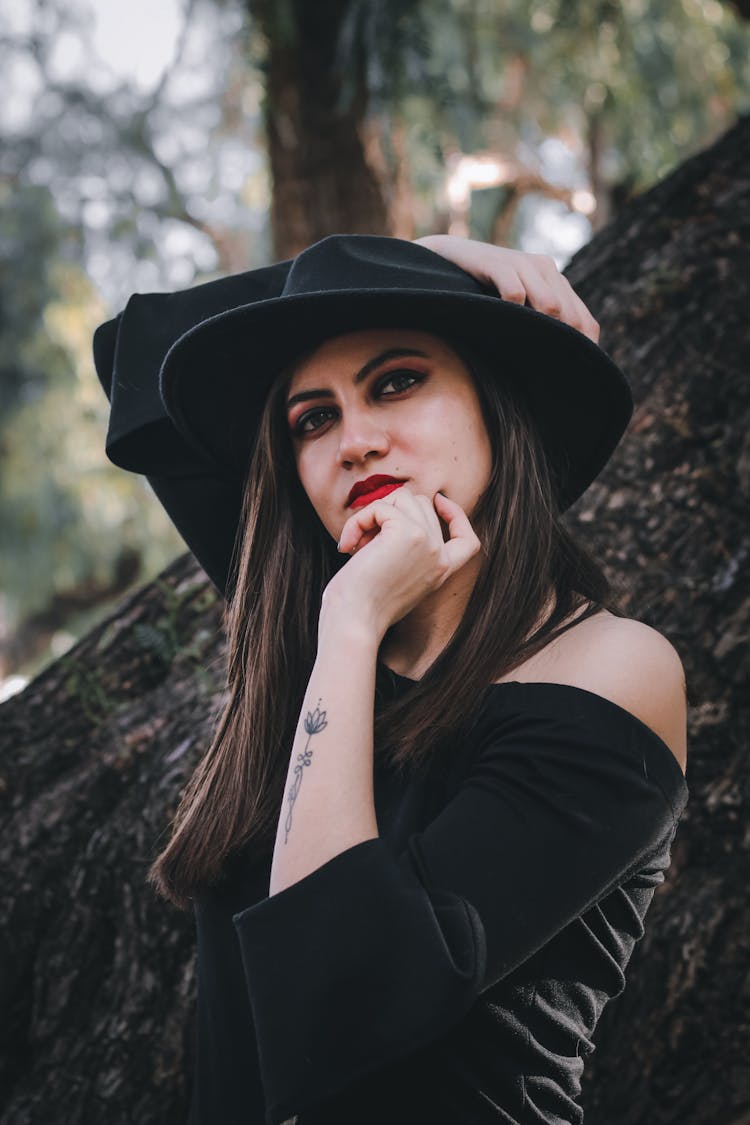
(150, 147)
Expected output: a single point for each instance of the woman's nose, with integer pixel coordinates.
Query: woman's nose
(361, 434)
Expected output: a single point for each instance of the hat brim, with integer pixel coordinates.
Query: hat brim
(216, 377)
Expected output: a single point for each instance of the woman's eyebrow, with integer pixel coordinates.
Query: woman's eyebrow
(322, 392)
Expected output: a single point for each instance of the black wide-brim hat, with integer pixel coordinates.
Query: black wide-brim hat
(188, 373)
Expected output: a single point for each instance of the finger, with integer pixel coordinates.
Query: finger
(463, 543)
(543, 296)
(509, 285)
(573, 311)
(430, 519)
(407, 500)
(416, 506)
(365, 538)
(588, 325)
(427, 511)
(371, 517)
(558, 301)
(555, 291)
(428, 515)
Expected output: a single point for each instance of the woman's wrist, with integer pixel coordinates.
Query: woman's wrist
(340, 622)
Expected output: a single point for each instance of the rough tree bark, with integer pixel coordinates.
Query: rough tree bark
(669, 281)
(322, 181)
(98, 983)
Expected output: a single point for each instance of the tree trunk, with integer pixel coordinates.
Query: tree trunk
(322, 182)
(98, 989)
(669, 282)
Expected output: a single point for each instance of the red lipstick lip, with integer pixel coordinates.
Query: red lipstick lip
(366, 498)
(369, 485)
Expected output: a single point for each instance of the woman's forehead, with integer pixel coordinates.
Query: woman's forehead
(350, 349)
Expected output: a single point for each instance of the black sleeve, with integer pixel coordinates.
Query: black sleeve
(203, 504)
(374, 955)
(128, 354)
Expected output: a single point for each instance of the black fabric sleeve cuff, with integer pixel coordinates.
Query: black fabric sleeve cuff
(334, 996)
(128, 354)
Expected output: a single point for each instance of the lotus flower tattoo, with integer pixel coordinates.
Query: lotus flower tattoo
(314, 723)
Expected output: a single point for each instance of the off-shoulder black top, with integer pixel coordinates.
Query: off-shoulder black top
(454, 968)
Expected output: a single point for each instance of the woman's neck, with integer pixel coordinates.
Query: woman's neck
(412, 644)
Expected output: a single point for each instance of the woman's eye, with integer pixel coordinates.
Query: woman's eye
(400, 375)
(305, 418)
(301, 426)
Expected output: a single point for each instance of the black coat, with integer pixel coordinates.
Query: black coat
(453, 969)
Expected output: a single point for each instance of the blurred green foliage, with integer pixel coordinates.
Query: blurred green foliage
(68, 519)
(633, 85)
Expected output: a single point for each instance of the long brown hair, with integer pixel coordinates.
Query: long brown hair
(284, 558)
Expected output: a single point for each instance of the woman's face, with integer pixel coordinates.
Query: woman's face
(389, 402)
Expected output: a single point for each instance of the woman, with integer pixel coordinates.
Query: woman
(444, 788)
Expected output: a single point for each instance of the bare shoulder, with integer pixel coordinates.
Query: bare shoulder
(633, 665)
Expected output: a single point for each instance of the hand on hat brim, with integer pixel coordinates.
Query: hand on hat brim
(519, 277)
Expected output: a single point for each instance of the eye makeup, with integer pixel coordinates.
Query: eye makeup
(396, 375)
(369, 367)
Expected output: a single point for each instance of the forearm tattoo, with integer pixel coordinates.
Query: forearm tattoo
(315, 722)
